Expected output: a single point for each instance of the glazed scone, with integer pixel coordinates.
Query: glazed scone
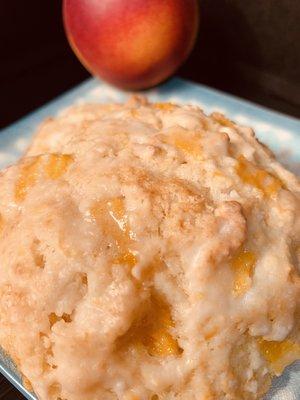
(149, 252)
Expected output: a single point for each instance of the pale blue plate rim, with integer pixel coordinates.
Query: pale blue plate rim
(274, 128)
(173, 85)
(16, 382)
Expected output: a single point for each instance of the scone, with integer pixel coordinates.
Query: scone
(149, 252)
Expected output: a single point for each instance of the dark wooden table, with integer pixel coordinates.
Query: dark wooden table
(7, 392)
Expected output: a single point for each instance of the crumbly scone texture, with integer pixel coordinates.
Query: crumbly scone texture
(148, 252)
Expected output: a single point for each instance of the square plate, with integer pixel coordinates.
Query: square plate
(280, 132)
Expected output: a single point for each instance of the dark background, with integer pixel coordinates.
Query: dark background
(248, 48)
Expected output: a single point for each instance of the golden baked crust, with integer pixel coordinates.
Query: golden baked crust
(148, 251)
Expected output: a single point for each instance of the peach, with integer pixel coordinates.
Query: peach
(132, 44)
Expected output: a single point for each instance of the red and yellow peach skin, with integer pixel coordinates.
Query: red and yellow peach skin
(132, 44)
